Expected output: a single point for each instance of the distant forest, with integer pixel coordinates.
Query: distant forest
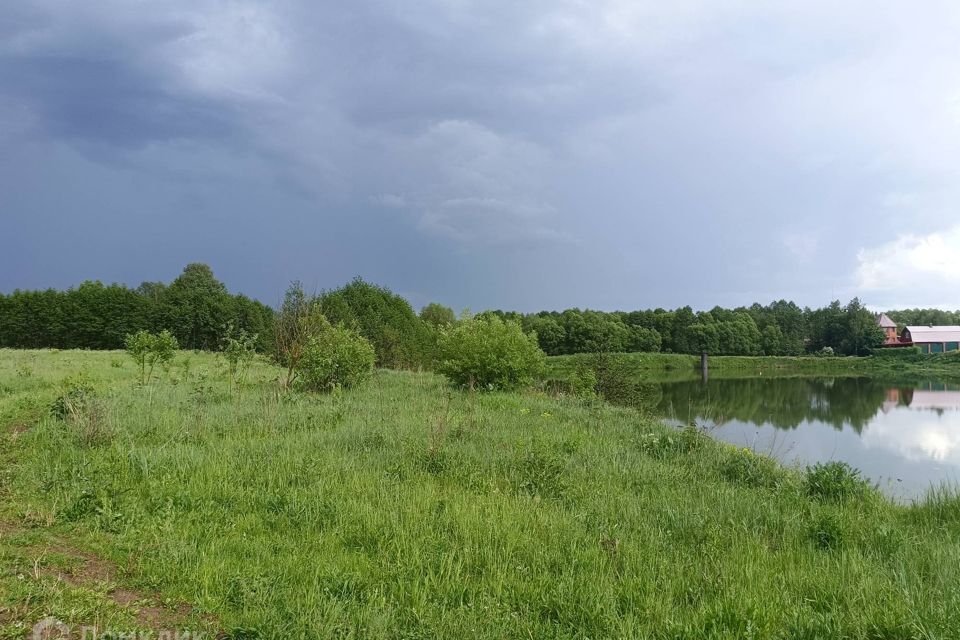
(198, 310)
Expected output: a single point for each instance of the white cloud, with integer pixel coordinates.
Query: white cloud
(934, 438)
(914, 270)
(233, 50)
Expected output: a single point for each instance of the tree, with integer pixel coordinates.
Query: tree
(739, 336)
(195, 307)
(298, 320)
(489, 353)
(550, 335)
(772, 340)
(642, 339)
(150, 349)
(401, 339)
(438, 315)
(682, 319)
(848, 330)
(862, 331)
(702, 337)
(593, 332)
(239, 351)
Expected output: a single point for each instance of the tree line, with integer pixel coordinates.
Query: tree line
(778, 329)
(198, 310)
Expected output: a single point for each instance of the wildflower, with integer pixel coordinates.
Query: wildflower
(546, 414)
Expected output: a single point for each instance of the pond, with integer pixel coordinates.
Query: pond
(905, 438)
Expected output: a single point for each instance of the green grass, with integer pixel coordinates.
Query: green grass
(671, 366)
(407, 509)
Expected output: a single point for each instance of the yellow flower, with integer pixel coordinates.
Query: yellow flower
(546, 414)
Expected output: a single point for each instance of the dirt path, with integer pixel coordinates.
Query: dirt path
(57, 560)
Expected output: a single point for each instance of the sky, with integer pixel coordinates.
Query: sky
(610, 154)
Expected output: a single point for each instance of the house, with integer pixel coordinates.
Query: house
(932, 339)
(889, 329)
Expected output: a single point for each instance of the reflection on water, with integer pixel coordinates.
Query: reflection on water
(905, 437)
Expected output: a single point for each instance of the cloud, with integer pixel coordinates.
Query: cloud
(766, 141)
(924, 269)
(932, 439)
(490, 220)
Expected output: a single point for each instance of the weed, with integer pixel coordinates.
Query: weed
(835, 481)
(666, 445)
(826, 531)
(76, 395)
(744, 467)
(541, 472)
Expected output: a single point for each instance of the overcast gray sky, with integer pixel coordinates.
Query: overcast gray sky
(489, 154)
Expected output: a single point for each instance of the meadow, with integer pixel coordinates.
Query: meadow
(410, 509)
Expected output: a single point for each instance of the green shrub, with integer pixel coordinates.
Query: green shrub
(744, 467)
(666, 445)
(541, 472)
(78, 406)
(836, 481)
(335, 357)
(399, 337)
(583, 383)
(239, 349)
(150, 349)
(826, 531)
(489, 353)
(438, 315)
(897, 353)
(76, 394)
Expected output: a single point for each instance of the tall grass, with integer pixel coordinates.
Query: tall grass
(407, 509)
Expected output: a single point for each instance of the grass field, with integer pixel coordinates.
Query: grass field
(408, 509)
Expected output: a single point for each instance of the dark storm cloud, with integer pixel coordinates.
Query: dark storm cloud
(106, 101)
(546, 154)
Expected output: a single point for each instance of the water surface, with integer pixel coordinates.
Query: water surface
(903, 437)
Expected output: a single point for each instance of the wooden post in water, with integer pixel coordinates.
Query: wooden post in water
(704, 365)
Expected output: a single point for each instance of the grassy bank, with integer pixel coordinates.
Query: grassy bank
(668, 366)
(409, 510)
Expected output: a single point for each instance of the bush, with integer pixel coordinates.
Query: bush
(583, 383)
(76, 393)
(335, 357)
(673, 443)
(826, 531)
(540, 472)
(239, 350)
(898, 353)
(746, 468)
(489, 353)
(834, 481)
(150, 349)
(399, 337)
